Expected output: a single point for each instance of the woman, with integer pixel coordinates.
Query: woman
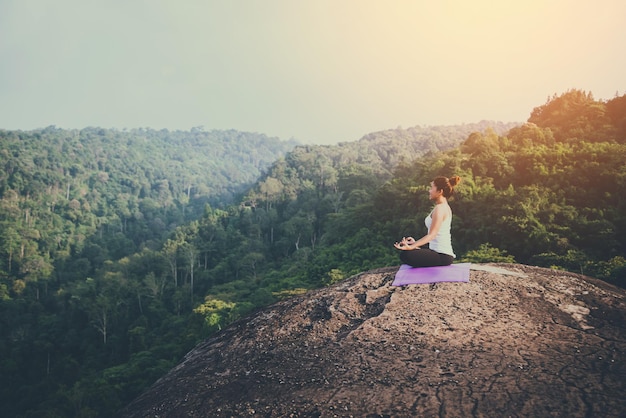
(439, 251)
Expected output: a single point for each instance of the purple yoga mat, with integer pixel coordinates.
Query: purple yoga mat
(424, 275)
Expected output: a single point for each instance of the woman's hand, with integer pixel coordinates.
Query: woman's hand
(407, 243)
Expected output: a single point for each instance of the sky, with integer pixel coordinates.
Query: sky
(318, 71)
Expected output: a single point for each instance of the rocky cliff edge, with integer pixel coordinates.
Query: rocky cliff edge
(515, 341)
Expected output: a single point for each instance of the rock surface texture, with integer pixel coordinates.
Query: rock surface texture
(533, 343)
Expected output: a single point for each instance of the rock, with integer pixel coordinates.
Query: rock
(536, 343)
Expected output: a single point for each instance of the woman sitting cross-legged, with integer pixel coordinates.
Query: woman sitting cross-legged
(438, 222)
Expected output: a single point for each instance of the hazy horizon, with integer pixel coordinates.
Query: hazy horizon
(319, 72)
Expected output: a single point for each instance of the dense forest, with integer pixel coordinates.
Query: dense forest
(119, 251)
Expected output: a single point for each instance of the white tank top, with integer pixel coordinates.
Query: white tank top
(442, 243)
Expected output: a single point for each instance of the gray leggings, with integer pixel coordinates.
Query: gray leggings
(425, 257)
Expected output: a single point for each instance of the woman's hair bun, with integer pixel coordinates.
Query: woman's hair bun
(446, 184)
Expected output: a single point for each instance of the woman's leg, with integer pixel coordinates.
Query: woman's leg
(424, 257)
(445, 259)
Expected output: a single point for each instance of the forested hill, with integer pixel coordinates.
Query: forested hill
(382, 151)
(165, 166)
(351, 171)
(61, 187)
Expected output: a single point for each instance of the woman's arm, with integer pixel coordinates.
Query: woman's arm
(438, 215)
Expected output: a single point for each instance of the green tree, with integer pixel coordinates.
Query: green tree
(486, 253)
(215, 312)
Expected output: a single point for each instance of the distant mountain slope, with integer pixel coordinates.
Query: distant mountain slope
(383, 150)
(360, 166)
(142, 162)
(549, 343)
(60, 187)
(419, 140)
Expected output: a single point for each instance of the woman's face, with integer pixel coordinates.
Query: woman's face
(433, 193)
